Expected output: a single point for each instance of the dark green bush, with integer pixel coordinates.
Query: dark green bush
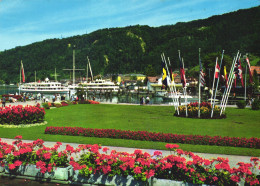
(241, 104)
(256, 104)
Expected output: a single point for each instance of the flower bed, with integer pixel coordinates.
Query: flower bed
(179, 166)
(24, 125)
(156, 136)
(88, 102)
(64, 103)
(8, 96)
(205, 111)
(34, 159)
(21, 115)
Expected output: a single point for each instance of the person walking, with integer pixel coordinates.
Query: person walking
(147, 101)
(53, 98)
(3, 101)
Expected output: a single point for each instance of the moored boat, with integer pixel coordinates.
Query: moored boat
(100, 85)
(45, 86)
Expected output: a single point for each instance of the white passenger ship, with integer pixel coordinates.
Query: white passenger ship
(100, 85)
(45, 86)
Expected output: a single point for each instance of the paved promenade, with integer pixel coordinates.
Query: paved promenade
(233, 159)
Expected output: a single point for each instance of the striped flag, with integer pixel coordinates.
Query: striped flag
(238, 72)
(22, 71)
(202, 79)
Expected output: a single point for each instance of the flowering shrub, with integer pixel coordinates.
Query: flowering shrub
(35, 153)
(156, 136)
(56, 104)
(88, 102)
(180, 165)
(64, 103)
(17, 97)
(202, 104)
(21, 115)
(143, 166)
(46, 105)
(92, 102)
(205, 111)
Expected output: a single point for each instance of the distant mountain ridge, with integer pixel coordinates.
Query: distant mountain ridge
(133, 48)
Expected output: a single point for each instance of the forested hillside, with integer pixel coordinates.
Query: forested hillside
(132, 49)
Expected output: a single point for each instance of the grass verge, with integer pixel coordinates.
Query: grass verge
(239, 123)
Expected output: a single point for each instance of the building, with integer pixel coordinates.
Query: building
(257, 68)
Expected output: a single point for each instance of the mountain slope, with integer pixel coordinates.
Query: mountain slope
(131, 49)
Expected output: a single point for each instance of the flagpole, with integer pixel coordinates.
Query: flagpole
(185, 92)
(230, 82)
(20, 78)
(229, 89)
(199, 85)
(226, 88)
(245, 80)
(212, 109)
(180, 74)
(173, 99)
(174, 91)
(171, 88)
(164, 60)
(213, 82)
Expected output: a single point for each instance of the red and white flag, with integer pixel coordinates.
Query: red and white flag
(250, 73)
(217, 70)
(22, 71)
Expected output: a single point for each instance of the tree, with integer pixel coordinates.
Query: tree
(149, 71)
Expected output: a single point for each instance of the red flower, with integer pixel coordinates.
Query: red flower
(138, 170)
(171, 146)
(18, 137)
(11, 166)
(157, 153)
(105, 149)
(17, 163)
(235, 178)
(47, 155)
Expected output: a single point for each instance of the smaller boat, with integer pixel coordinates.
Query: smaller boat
(177, 95)
(45, 86)
(100, 85)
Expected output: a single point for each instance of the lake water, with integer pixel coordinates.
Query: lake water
(133, 98)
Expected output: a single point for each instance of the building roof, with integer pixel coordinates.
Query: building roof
(153, 79)
(257, 68)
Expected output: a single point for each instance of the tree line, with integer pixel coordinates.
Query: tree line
(137, 49)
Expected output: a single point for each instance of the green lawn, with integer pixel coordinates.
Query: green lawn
(239, 123)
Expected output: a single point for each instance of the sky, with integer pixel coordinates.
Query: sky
(23, 22)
